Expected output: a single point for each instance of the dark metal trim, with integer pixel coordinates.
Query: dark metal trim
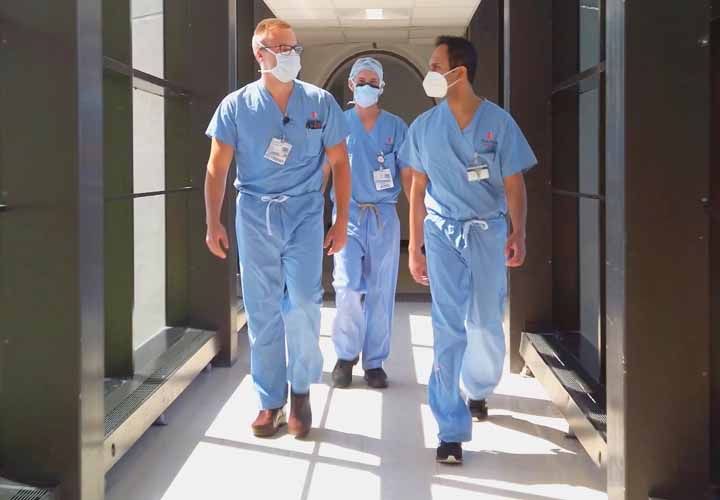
(574, 194)
(145, 81)
(149, 194)
(587, 434)
(579, 78)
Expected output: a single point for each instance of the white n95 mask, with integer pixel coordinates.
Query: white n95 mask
(436, 85)
(366, 96)
(287, 68)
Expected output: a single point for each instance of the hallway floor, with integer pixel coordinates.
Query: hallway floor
(368, 444)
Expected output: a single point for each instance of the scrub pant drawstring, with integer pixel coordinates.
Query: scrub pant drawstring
(272, 200)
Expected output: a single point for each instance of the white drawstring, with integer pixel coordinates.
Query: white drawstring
(271, 200)
(475, 222)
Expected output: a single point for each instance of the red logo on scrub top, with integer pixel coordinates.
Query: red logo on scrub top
(390, 140)
(490, 136)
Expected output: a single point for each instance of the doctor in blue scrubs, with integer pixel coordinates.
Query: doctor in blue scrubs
(469, 157)
(279, 130)
(366, 270)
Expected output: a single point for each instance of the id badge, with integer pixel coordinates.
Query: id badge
(278, 151)
(479, 170)
(383, 179)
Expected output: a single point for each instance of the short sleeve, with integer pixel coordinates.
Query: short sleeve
(336, 129)
(516, 155)
(223, 126)
(409, 154)
(400, 137)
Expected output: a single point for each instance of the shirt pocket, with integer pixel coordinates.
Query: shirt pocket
(313, 142)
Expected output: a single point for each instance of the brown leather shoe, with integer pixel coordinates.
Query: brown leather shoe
(268, 422)
(300, 419)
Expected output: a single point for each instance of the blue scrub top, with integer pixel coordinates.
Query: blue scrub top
(385, 139)
(249, 119)
(436, 147)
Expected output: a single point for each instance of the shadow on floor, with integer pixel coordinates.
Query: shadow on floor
(367, 445)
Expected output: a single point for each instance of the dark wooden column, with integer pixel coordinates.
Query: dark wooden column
(658, 271)
(527, 79)
(51, 246)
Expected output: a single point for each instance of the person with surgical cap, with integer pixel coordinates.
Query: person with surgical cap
(366, 270)
(469, 157)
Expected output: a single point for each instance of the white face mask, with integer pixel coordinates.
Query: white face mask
(287, 68)
(436, 85)
(366, 96)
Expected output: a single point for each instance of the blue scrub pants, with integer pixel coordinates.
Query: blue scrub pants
(365, 279)
(468, 282)
(289, 257)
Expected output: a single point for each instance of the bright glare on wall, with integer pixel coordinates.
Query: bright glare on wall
(374, 14)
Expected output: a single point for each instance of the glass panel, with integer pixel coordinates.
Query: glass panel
(589, 244)
(147, 37)
(576, 123)
(590, 34)
(149, 216)
(589, 142)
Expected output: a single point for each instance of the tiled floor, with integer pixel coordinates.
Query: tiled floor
(368, 445)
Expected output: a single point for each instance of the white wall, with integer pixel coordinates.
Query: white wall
(148, 175)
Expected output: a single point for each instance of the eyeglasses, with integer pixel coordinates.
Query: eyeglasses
(284, 49)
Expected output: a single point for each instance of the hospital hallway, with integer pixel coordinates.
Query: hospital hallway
(365, 445)
(124, 356)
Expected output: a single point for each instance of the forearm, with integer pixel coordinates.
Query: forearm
(417, 218)
(214, 194)
(342, 187)
(517, 205)
(406, 180)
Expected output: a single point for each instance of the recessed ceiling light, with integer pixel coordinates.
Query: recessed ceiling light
(374, 14)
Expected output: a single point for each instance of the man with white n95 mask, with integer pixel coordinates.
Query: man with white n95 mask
(366, 270)
(279, 130)
(469, 156)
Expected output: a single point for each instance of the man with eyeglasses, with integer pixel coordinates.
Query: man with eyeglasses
(279, 130)
(366, 270)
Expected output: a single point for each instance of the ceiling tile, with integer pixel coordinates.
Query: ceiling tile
(374, 4)
(384, 23)
(299, 4)
(450, 3)
(373, 35)
(462, 14)
(315, 36)
(306, 14)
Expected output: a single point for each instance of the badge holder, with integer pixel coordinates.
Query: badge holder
(479, 169)
(382, 177)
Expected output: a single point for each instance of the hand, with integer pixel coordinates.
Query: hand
(337, 237)
(217, 240)
(418, 268)
(515, 250)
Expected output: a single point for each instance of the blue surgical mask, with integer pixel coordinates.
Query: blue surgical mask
(366, 96)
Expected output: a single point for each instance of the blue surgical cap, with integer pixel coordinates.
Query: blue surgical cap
(367, 63)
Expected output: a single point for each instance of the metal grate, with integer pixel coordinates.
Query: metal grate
(27, 494)
(583, 394)
(173, 359)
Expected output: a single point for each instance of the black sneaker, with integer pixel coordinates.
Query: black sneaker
(376, 378)
(342, 373)
(449, 453)
(478, 409)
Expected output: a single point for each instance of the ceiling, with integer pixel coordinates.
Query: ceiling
(397, 21)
